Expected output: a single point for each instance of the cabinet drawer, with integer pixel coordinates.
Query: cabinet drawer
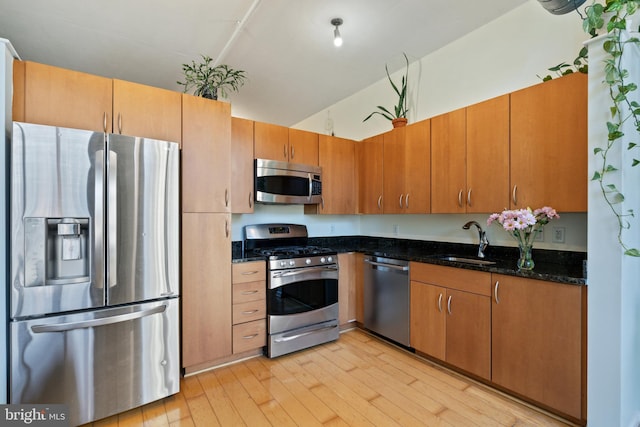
(249, 291)
(249, 336)
(249, 271)
(248, 311)
(477, 282)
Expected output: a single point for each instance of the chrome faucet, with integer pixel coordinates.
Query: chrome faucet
(484, 242)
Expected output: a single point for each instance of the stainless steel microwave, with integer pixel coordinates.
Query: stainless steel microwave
(287, 183)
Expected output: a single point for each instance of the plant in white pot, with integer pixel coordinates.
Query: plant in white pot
(399, 115)
(208, 80)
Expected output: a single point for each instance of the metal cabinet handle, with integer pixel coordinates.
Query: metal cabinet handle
(249, 312)
(249, 273)
(401, 197)
(104, 122)
(449, 304)
(322, 202)
(293, 152)
(406, 201)
(460, 198)
(285, 151)
(440, 303)
(513, 195)
(495, 292)
(469, 197)
(380, 202)
(226, 197)
(250, 199)
(255, 291)
(120, 123)
(248, 337)
(226, 228)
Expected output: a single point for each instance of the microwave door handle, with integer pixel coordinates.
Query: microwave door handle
(310, 186)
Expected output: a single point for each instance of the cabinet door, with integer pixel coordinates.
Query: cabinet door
(58, 97)
(469, 332)
(206, 137)
(549, 145)
(337, 159)
(206, 288)
(347, 288)
(427, 314)
(370, 154)
(448, 162)
(145, 111)
(303, 147)
(393, 186)
(488, 156)
(417, 161)
(271, 142)
(539, 342)
(242, 166)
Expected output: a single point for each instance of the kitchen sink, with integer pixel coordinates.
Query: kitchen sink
(463, 260)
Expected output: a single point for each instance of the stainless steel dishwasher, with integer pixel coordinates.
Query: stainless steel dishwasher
(386, 298)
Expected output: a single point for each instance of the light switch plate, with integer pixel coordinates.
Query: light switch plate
(558, 234)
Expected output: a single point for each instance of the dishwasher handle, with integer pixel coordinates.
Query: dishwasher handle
(391, 266)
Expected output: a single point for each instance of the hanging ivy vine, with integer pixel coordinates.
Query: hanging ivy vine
(623, 109)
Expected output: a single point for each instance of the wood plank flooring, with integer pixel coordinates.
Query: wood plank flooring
(358, 380)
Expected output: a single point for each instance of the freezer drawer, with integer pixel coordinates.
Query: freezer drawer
(128, 356)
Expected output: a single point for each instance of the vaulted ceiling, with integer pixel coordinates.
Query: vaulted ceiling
(285, 46)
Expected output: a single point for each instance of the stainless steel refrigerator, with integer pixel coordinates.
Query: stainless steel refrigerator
(94, 270)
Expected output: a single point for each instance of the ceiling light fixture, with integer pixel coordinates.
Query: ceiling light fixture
(337, 38)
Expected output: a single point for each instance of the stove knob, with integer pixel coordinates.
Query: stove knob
(283, 264)
(292, 263)
(307, 261)
(323, 260)
(330, 259)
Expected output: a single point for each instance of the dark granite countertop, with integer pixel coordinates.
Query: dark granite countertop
(555, 266)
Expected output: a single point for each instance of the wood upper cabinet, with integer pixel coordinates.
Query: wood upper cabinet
(54, 96)
(286, 145)
(206, 289)
(337, 159)
(407, 159)
(303, 147)
(146, 111)
(487, 136)
(206, 144)
(539, 342)
(242, 166)
(470, 163)
(448, 162)
(370, 178)
(451, 316)
(549, 145)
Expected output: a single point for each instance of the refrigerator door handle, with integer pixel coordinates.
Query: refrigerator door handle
(99, 219)
(63, 327)
(112, 219)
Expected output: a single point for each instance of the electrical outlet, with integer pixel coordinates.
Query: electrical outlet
(539, 236)
(395, 228)
(332, 228)
(558, 234)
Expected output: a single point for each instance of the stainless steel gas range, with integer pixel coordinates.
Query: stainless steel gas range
(302, 287)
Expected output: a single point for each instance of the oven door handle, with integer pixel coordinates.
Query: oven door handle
(305, 271)
(286, 338)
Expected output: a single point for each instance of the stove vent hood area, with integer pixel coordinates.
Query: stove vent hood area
(560, 7)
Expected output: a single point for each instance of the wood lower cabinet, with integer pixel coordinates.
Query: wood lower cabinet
(242, 166)
(369, 164)
(347, 288)
(54, 96)
(549, 145)
(249, 306)
(539, 342)
(146, 111)
(451, 316)
(206, 136)
(206, 289)
(337, 159)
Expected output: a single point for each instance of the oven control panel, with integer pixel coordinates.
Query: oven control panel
(280, 264)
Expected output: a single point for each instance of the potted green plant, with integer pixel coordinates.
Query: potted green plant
(399, 115)
(208, 79)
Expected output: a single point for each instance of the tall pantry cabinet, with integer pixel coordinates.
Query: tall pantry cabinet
(206, 232)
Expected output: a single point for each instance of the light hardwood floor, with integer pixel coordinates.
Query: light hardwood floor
(358, 380)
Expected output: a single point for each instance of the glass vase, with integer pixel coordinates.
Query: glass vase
(525, 262)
